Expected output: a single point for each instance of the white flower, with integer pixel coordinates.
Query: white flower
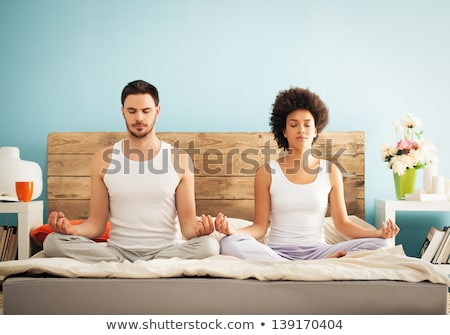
(409, 121)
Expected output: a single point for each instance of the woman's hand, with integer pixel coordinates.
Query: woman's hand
(389, 229)
(222, 225)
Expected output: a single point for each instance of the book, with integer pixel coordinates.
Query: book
(15, 251)
(425, 197)
(441, 246)
(425, 244)
(3, 233)
(12, 243)
(431, 244)
(444, 251)
(5, 247)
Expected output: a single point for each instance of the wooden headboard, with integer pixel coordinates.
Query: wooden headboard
(225, 164)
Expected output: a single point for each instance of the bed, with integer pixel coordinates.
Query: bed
(384, 281)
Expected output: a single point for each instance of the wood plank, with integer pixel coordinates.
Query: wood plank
(69, 165)
(90, 142)
(206, 165)
(224, 188)
(234, 208)
(72, 208)
(68, 188)
(80, 142)
(196, 142)
(209, 164)
(227, 188)
(205, 188)
(354, 187)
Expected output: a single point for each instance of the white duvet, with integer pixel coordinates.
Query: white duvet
(382, 264)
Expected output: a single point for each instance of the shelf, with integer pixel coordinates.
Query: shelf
(29, 217)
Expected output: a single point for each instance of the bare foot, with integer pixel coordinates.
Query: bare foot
(337, 254)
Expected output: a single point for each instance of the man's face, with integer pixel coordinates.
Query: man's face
(140, 112)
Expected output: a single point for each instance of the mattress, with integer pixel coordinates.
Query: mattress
(219, 296)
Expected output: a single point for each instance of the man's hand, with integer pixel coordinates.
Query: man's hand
(204, 225)
(59, 223)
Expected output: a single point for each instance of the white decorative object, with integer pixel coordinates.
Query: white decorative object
(428, 172)
(438, 185)
(13, 169)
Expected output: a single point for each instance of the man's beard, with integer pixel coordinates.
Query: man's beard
(140, 135)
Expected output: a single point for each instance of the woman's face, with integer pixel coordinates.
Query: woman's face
(300, 129)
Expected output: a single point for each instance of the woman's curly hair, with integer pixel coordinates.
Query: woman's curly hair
(291, 100)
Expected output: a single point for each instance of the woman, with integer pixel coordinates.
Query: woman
(294, 193)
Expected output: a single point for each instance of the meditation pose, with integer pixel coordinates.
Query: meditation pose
(140, 184)
(294, 193)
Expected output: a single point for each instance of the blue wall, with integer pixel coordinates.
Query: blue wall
(219, 64)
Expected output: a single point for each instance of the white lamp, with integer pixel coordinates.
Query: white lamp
(13, 169)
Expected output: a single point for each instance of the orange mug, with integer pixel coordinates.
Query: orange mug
(24, 190)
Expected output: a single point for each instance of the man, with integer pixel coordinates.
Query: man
(140, 184)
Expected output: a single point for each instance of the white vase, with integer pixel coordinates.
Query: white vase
(13, 169)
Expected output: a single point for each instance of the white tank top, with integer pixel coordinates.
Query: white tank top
(142, 200)
(297, 210)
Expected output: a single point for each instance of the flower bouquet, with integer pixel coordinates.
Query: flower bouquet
(411, 152)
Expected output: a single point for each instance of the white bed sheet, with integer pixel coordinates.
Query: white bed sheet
(382, 264)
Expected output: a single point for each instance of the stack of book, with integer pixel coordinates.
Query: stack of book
(436, 247)
(8, 243)
(425, 197)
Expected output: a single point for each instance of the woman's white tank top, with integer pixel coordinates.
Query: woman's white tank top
(298, 210)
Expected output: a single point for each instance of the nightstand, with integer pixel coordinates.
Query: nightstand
(385, 209)
(29, 217)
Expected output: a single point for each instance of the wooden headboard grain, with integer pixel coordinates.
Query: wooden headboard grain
(225, 163)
